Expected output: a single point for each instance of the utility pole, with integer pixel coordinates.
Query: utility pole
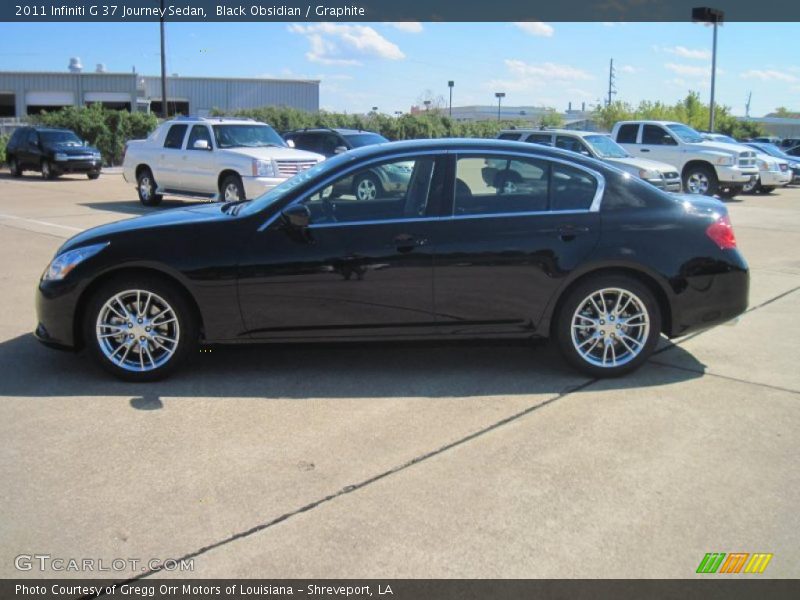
(164, 112)
(611, 87)
(499, 96)
(450, 84)
(747, 105)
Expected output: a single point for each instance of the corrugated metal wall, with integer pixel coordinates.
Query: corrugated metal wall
(203, 94)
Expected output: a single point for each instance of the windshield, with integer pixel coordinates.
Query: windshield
(271, 197)
(365, 139)
(246, 136)
(61, 137)
(685, 133)
(770, 149)
(605, 147)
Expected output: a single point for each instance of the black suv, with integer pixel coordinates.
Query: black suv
(332, 141)
(52, 152)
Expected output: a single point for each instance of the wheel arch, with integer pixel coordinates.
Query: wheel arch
(697, 162)
(129, 271)
(225, 173)
(141, 167)
(649, 280)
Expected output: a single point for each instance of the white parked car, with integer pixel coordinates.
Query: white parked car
(211, 158)
(600, 146)
(706, 167)
(772, 172)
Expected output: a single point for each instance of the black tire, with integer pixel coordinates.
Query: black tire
(694, 174)
(751, 188)
(731, 192)
(187, 331)
(577, 296)
(48, 172)
(13, 167)
(767, 189)
(93, 175)
(146, 188)
(231, 189)
(367, 187)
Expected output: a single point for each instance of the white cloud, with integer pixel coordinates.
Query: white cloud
(690, 70)
(628, 69)
(769, 75)
(338, 44)
(547, 71)
(536, 28)
(683, 52)
(407, 26)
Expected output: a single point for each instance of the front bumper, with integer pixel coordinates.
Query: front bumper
(775, 178)
(256, 186)
(736, 175)
(668, 185)
(77, 166)
(56, 302)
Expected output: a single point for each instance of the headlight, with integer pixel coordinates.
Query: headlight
(649, 174)
(264, 168)
(60, 156)
(97, 155)
(726, 161)
(62, 264)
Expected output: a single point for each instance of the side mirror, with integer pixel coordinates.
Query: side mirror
(201, 145)
(297, 216)
(290, 143)
(339, 149)
(668, 141)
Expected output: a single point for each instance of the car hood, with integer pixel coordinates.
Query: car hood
(725, 147)
(642, 163)
(177, 216)
(276, 153)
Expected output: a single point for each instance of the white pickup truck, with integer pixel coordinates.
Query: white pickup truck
(706, 167)
(211, 158)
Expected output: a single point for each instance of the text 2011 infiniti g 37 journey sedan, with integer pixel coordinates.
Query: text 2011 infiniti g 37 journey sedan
(575, 250)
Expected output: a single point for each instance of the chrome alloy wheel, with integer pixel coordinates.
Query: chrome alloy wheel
(231, 192)
(145, 187)
(367, 190)
(610, 327)
(137, 330)
(698, 183)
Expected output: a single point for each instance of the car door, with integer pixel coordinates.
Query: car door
(170, 163)
(199, 168)
(502, 253)
(361, 267)
(32, 155)
(658, 144)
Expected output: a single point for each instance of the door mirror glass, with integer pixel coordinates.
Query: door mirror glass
(339, 149)
(290, 143)
(201, 145)
(297, 216)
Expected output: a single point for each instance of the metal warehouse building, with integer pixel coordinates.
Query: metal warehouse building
(26, 93)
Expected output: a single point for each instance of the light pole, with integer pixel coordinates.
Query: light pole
(427, 104)
(499, 96)
(451, 84)
(163, 68)
(704, 14)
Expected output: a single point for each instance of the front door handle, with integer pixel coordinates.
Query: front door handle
(644, 149)
(406, 242)
(568, 232)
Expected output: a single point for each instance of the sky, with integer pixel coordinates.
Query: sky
(393, 66)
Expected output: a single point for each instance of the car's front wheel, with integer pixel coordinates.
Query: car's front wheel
(139, 328)
(608, 325)
(93, 174)
(367, 187)
(231, 189)
(701, 180)
(48, 172)
(146, 188)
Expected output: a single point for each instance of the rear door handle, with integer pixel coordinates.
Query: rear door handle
(644, 149)
(406, 242)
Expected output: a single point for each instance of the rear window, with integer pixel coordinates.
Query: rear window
(512, 137)
(627, 133)
(571, 189)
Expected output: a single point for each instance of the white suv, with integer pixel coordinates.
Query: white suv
(706, 167)
(211, 158)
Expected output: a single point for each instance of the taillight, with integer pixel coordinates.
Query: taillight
(721, 232)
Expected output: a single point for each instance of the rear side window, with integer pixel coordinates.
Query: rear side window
(627, 133)
(571, 189)
(513, 137)
(175, 136)
(540, 138)
(500, 185)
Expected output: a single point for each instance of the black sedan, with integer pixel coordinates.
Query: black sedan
(578, 251)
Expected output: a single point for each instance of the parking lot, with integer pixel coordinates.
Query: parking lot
(412, 460)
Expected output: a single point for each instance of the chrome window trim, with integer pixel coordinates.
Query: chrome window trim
(593, 208)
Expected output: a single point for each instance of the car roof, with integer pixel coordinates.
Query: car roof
(341, 131)
(217, 120)
(575, 132)
(43, 128)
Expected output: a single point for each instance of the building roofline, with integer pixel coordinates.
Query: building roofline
(134, 74)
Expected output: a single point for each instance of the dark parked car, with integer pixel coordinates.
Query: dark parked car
(579, 251)
(794, 152)
(773, 150)
(51, 152)
(787, 143)
(330, 142)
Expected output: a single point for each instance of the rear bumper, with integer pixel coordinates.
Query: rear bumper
(713, 293)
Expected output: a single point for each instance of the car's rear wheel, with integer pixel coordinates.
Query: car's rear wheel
(608, 325)
(140, 328)
(93, 174)
(47, 170)
(231, 189)
(700, 180)
(13, 167)
(146, 187)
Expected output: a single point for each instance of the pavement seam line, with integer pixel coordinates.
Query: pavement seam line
(727, 377)
(37, 222)
(348, 489)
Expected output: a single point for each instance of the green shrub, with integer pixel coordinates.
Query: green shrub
(106, 129)
(3, 143)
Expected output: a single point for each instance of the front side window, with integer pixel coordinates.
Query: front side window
(656, 136)
(174, 137)
(199, 133)
(399, 189)
(497, 185)
(572, 144)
